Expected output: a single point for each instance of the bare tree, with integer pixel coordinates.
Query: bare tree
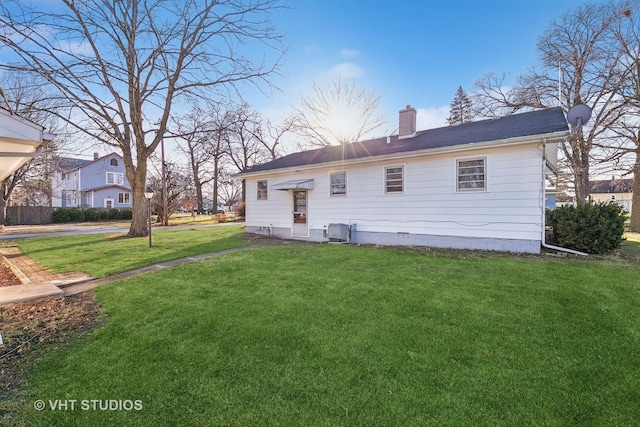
(230, 190)
(245, 149)
(122, 64)
(178, 183)
(578, 66)
(25, 97)
(627, 36)
(271, 135)
(337, 114)
(193, 140)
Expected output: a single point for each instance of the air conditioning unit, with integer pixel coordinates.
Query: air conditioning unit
(338, 232)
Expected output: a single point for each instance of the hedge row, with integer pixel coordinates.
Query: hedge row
(593, 228)
(62, 215)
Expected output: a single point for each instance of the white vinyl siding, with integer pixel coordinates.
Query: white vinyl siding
(263, 190)
(394, 179)
(338, 186)
(430, 203)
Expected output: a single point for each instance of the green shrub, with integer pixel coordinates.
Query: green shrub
(76, 215)
(594, 228)
(115, 213)
(127, 214)
(60, 216)
(92, 214)
(104, 215)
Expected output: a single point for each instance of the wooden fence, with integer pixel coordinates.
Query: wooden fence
(29, 215)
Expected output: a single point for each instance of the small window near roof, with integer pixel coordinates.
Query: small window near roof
(338, 183)
(394, 177)
(114, 162)
(262, 190)
(472, 175)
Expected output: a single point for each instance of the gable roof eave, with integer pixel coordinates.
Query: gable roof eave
(549, 138)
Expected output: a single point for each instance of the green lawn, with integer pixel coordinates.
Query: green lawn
(102, 255)
(326, 335)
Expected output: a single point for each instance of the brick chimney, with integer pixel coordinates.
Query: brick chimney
(407, 127)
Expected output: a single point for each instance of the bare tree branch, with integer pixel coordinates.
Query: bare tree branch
(337, 114)
(121, 67)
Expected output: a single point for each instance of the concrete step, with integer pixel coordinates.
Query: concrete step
(10, 295)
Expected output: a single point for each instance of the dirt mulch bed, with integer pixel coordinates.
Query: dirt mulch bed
(7, 278)
(31, 330)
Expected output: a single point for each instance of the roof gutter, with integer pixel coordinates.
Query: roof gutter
(431, 151)
(544, 219)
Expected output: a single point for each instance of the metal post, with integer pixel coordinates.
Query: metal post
(165, 214)
(149, 210)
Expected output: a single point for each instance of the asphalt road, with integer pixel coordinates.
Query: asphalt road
(26, 231)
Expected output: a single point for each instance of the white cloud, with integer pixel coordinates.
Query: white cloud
(349, 53)
(346, 70)
(430, 118)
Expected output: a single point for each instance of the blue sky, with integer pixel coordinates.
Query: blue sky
(409, 52)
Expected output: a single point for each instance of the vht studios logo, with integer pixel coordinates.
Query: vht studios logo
(88, 405)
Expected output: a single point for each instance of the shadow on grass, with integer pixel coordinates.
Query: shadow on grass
(56, 246)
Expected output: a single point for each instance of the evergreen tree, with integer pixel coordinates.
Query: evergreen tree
(460, 108)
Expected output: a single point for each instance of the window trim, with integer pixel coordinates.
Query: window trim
(117, 177)
(331, 185)
(402, 179)
(125, 196)
(484, 187)
(265, 189)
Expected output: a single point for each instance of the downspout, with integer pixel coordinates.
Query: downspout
(544, 219)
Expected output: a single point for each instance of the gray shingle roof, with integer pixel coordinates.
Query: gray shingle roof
(68, 163)
(612, 186)
(518, 125)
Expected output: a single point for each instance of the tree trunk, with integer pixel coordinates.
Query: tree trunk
(3, 205)
(216, 161)
(139, 226)
(635, 200)
(199, 198)
(582, 186)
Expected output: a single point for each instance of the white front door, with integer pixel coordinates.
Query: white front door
(108, 203)
(300, 227)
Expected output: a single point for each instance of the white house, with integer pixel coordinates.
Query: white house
(613, 190)
(478, 185)
(97, 183)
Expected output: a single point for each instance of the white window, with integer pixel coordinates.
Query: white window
(115, 178)
(114, 162)
(124, 198)
(262, 190)
(393, 179)
(472, 174)
(338, 186)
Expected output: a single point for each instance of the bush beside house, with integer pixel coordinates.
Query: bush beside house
(593, 228)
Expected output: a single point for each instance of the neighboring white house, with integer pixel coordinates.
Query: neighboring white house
(97, 183)
(478, 185)
(613, 190)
